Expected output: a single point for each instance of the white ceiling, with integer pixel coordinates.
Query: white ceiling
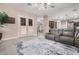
(59, 8)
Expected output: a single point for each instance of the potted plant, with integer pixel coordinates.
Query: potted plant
(3, 19)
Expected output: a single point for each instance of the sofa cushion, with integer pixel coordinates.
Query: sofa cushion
(68, 32)
(54, 31)
(49, 36)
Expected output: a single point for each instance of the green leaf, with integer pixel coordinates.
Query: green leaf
(3, 18)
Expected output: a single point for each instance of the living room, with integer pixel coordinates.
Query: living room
(40, 26)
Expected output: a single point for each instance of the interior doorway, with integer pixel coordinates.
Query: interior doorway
(40, 24)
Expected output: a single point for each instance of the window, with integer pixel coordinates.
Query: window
(23, 21)
(11, 20)
(64, 24)
(30, 22)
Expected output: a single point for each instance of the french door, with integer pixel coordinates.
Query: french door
(22, 28)
(26, 27)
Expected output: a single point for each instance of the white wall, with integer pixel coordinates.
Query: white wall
(11, 30)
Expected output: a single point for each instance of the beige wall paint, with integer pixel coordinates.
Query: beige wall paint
(13, 30)
(61, 25)
(46, 24)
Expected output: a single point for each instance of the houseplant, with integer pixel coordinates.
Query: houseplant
(3, 19)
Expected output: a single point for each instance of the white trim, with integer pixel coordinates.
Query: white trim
(10, 38)
(16, 37)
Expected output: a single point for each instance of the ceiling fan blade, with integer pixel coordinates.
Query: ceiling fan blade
(52, 6)
(30, 4)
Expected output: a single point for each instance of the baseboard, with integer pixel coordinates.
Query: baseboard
(10, 38)
(16, 37)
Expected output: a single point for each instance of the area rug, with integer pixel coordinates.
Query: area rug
(45, 47)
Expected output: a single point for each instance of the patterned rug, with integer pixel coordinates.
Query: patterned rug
(45, 47)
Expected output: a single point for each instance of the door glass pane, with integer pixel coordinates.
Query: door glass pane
(30, 22)
(23, 21)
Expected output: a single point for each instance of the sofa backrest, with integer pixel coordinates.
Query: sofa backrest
(56, 31)
(63, 32)
(68, 32)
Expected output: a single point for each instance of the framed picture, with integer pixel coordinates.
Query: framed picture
(51, 24)
(30, 21)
